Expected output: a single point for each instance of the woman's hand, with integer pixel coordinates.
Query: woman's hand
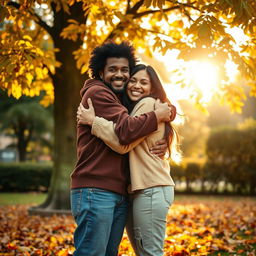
(85, 115)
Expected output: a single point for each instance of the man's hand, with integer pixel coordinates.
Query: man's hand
(174, 112)
(159, 149)
(85, 115)
(162, 111)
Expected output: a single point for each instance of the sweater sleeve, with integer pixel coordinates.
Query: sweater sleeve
(105, 129)
(127, 128)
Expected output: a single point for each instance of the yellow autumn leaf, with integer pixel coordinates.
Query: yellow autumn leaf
(39, 73)
(47, 100)
(3, 35)
(29, 77)
(27, 37)
(73, 21)
(28, 44)
(53, 239)
(39, 52)
(21, 42)
(63, 252)
(16, 91)
(44, 71)
(84, 69)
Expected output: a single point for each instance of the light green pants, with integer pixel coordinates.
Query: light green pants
(147, 219)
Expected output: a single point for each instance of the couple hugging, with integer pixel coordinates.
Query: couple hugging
(122, 177)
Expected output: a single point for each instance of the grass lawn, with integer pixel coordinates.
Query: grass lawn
(21, 198)
(38, 198)
(204, 198)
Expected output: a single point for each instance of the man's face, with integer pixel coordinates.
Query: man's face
(116, 73)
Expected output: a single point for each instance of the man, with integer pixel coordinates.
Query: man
(99, 181)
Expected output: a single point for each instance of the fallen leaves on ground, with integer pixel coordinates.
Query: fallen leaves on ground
(205, 228)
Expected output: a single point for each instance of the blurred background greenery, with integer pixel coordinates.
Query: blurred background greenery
(219, 155)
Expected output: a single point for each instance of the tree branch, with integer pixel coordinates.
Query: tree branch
(138, 15)
(128, 6)
(136, 7)
(186, 5)
(187, 14)
(141, 14)
(178, 6)
(14, 4)
(41, 23)
(37, 18)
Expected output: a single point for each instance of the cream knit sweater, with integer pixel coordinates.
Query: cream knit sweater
(146, 169)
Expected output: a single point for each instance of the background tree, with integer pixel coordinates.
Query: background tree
(25, 119)
(74, 28)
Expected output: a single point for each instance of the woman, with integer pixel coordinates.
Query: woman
(152, 188)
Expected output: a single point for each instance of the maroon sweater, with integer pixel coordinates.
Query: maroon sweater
(97, 165)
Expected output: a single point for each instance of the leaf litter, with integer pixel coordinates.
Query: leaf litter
(199, 228)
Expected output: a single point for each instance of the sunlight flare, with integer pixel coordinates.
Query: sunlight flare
(204, 77)
(231, 70)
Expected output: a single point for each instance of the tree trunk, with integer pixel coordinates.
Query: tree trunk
(21, 149)
(67, 83)
(203, 185)
(22, 145)
(188, 188)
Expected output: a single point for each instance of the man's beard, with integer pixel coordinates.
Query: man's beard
(116, 91)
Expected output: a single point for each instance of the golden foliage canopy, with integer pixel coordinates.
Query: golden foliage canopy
(196, 28)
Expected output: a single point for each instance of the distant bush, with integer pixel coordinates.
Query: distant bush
(232, 159)
(188, 173)
(215, 176)
(23, 177)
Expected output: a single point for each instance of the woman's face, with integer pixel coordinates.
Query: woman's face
(139, 85)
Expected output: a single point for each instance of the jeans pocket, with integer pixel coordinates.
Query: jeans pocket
(168, 192)
(138, 238)
(147, 192)
(76, 201)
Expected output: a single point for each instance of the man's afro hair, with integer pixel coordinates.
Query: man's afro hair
(110, 50)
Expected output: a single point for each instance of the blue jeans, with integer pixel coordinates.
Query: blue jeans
(100, 216)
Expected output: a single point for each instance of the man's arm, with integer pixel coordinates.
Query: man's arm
(127, 128)
(105, 129)
(162, 113)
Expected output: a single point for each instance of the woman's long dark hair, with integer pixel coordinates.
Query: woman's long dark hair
(157, 92)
